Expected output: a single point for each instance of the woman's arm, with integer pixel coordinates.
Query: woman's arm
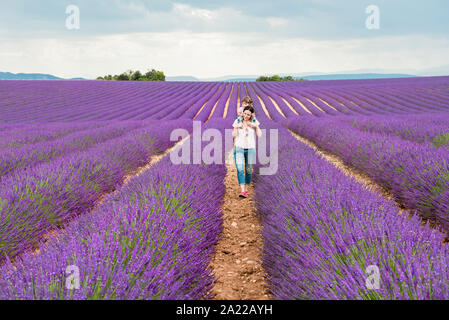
(236, 125)
(234, 132)
(258, 132)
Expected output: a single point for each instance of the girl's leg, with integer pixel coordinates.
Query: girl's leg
(239, 159)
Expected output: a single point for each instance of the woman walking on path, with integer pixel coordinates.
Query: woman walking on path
(245, 147)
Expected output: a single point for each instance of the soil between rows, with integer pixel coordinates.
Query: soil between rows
(237, 260)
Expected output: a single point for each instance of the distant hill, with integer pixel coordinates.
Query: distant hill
(357, 76)
(31, 76)
(181, 78)
(436, 71)
(308, 76)
(241, 79)
(317, 76)
(232, 78)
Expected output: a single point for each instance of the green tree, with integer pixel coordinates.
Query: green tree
(123, 77)
(152, 75)
(136, 76)
(155, 75)
(278, 78)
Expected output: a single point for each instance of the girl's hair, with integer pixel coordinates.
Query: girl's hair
(248, 100)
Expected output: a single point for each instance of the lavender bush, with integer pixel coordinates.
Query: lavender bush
(65, 101)
(153, 239)
(29, 134)
(34, 154)
(322, 230)
(416, 174)
(37, 200)
(433, 128)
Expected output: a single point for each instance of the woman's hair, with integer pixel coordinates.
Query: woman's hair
(248, 100)
(251, 109)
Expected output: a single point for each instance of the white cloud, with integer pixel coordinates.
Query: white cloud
(190, 12)
(212, 54)
(277, 22)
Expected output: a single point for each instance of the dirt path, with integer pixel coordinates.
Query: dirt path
(237, 259)
(154, 159)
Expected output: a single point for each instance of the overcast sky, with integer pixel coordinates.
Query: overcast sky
(207, 38)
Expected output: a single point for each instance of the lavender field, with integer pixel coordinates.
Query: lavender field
(67, 147)
(68, 101)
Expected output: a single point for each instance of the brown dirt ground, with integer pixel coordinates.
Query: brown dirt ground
(237, 259)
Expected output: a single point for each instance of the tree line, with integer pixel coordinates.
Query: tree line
(278, 78)
(153, 75)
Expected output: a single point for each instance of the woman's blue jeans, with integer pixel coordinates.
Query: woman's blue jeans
(244, 161)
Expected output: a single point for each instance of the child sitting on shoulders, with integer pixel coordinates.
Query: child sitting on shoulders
(246, 102)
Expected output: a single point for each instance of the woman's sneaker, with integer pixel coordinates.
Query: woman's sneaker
(243, 195)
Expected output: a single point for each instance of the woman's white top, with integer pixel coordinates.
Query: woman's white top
(246, 137)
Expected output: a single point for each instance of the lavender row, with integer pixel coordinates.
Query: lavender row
(91, 100)
(29, 134)
(324, 234)
(34, 154)
(278, 91)
(209, 105)
(423, 128)
(153, 239)
(37, 200)
(259, 111)
(416, 174)
(96, 100)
